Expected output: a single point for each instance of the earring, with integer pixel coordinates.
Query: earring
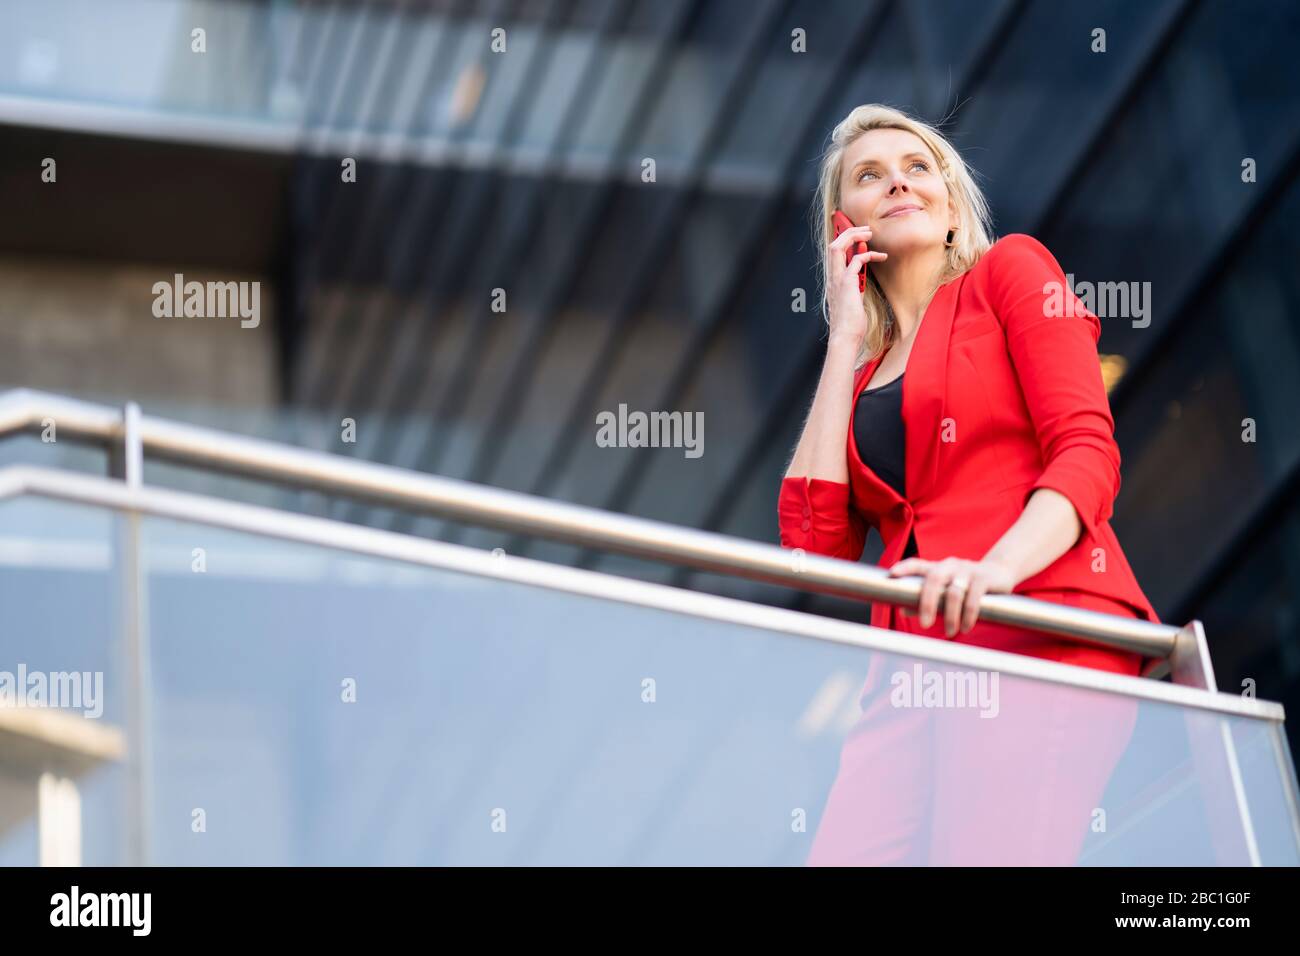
(948, 242)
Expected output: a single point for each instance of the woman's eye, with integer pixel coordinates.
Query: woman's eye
(916, 162)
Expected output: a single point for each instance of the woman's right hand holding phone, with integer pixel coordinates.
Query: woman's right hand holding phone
(820, 452)
(848, 319)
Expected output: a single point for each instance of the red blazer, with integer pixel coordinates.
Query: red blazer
(1000, 397)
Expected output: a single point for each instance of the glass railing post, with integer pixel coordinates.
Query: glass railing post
(126, 463)
(1190, 663)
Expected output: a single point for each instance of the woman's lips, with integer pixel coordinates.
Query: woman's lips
(901, 211)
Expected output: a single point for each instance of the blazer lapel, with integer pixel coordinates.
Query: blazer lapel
(924, 386)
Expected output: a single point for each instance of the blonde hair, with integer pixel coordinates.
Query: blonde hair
(974, 222)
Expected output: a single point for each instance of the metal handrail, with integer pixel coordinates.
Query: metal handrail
(27, 410)
(263, 522)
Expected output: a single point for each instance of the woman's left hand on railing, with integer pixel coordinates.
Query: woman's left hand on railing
(964, 581)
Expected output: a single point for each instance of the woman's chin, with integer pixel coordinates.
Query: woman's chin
(905, 242)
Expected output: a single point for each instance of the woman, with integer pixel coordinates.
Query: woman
(980, 444)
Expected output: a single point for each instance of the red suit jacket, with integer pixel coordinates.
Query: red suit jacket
(1002, 395)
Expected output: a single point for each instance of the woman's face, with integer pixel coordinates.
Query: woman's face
(892, 183)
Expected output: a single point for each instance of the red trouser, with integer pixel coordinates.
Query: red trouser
(945, 786)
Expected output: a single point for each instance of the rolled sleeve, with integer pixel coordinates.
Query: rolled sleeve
(816, 515)
(1055, 359)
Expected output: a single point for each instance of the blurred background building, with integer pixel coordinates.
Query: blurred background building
(523, 169)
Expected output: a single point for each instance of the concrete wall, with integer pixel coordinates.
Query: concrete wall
(88, 328)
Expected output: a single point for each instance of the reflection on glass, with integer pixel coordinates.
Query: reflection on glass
(311, 706)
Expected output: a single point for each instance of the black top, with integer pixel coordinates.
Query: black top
(879, 435)
(878, 431)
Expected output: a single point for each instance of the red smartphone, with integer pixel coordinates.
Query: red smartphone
(842, 222)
